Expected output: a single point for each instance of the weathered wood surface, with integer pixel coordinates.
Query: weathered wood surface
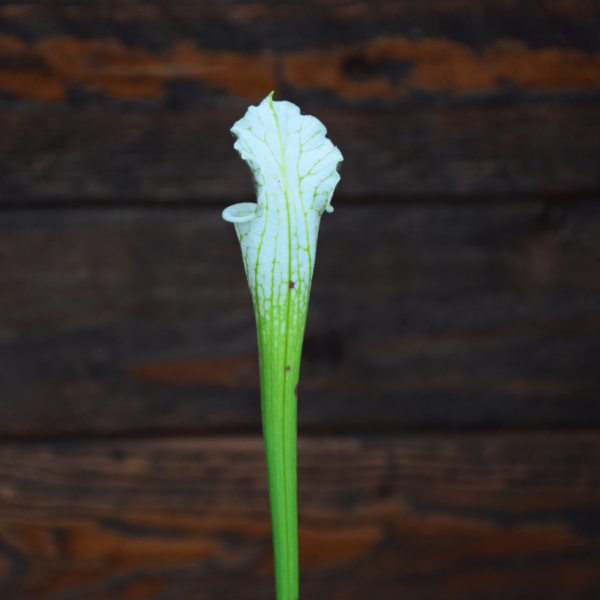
(137, 321)
(383, 50)
(188, 51)
(104, 154)
(438, 517)
(421, 316)
(107, 101)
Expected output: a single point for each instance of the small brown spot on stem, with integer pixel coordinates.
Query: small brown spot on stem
(287, 368)
(292, 285)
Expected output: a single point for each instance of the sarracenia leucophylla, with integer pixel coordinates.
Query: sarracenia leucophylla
(295, 171)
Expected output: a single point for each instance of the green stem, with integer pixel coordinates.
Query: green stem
(280, 355)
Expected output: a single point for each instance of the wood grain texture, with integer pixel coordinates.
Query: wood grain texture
(461, 150)
(421, 316)
(126, 324)
(248, 25)
(438, 97)
(444, 517)
(388, 68)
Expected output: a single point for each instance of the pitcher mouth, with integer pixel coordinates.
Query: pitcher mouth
(241, 213)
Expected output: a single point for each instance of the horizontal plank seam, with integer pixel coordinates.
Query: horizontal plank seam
(304, 432)
(562, 197)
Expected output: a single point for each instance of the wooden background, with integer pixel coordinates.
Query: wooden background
(449, 400)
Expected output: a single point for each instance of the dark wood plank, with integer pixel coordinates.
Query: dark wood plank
(421, 316)
(380, 69)
(446, 517)
(127, 102)
(461, 150)
(188, 54)
(248, 26)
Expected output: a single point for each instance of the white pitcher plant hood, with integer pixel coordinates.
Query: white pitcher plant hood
(295, 171)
